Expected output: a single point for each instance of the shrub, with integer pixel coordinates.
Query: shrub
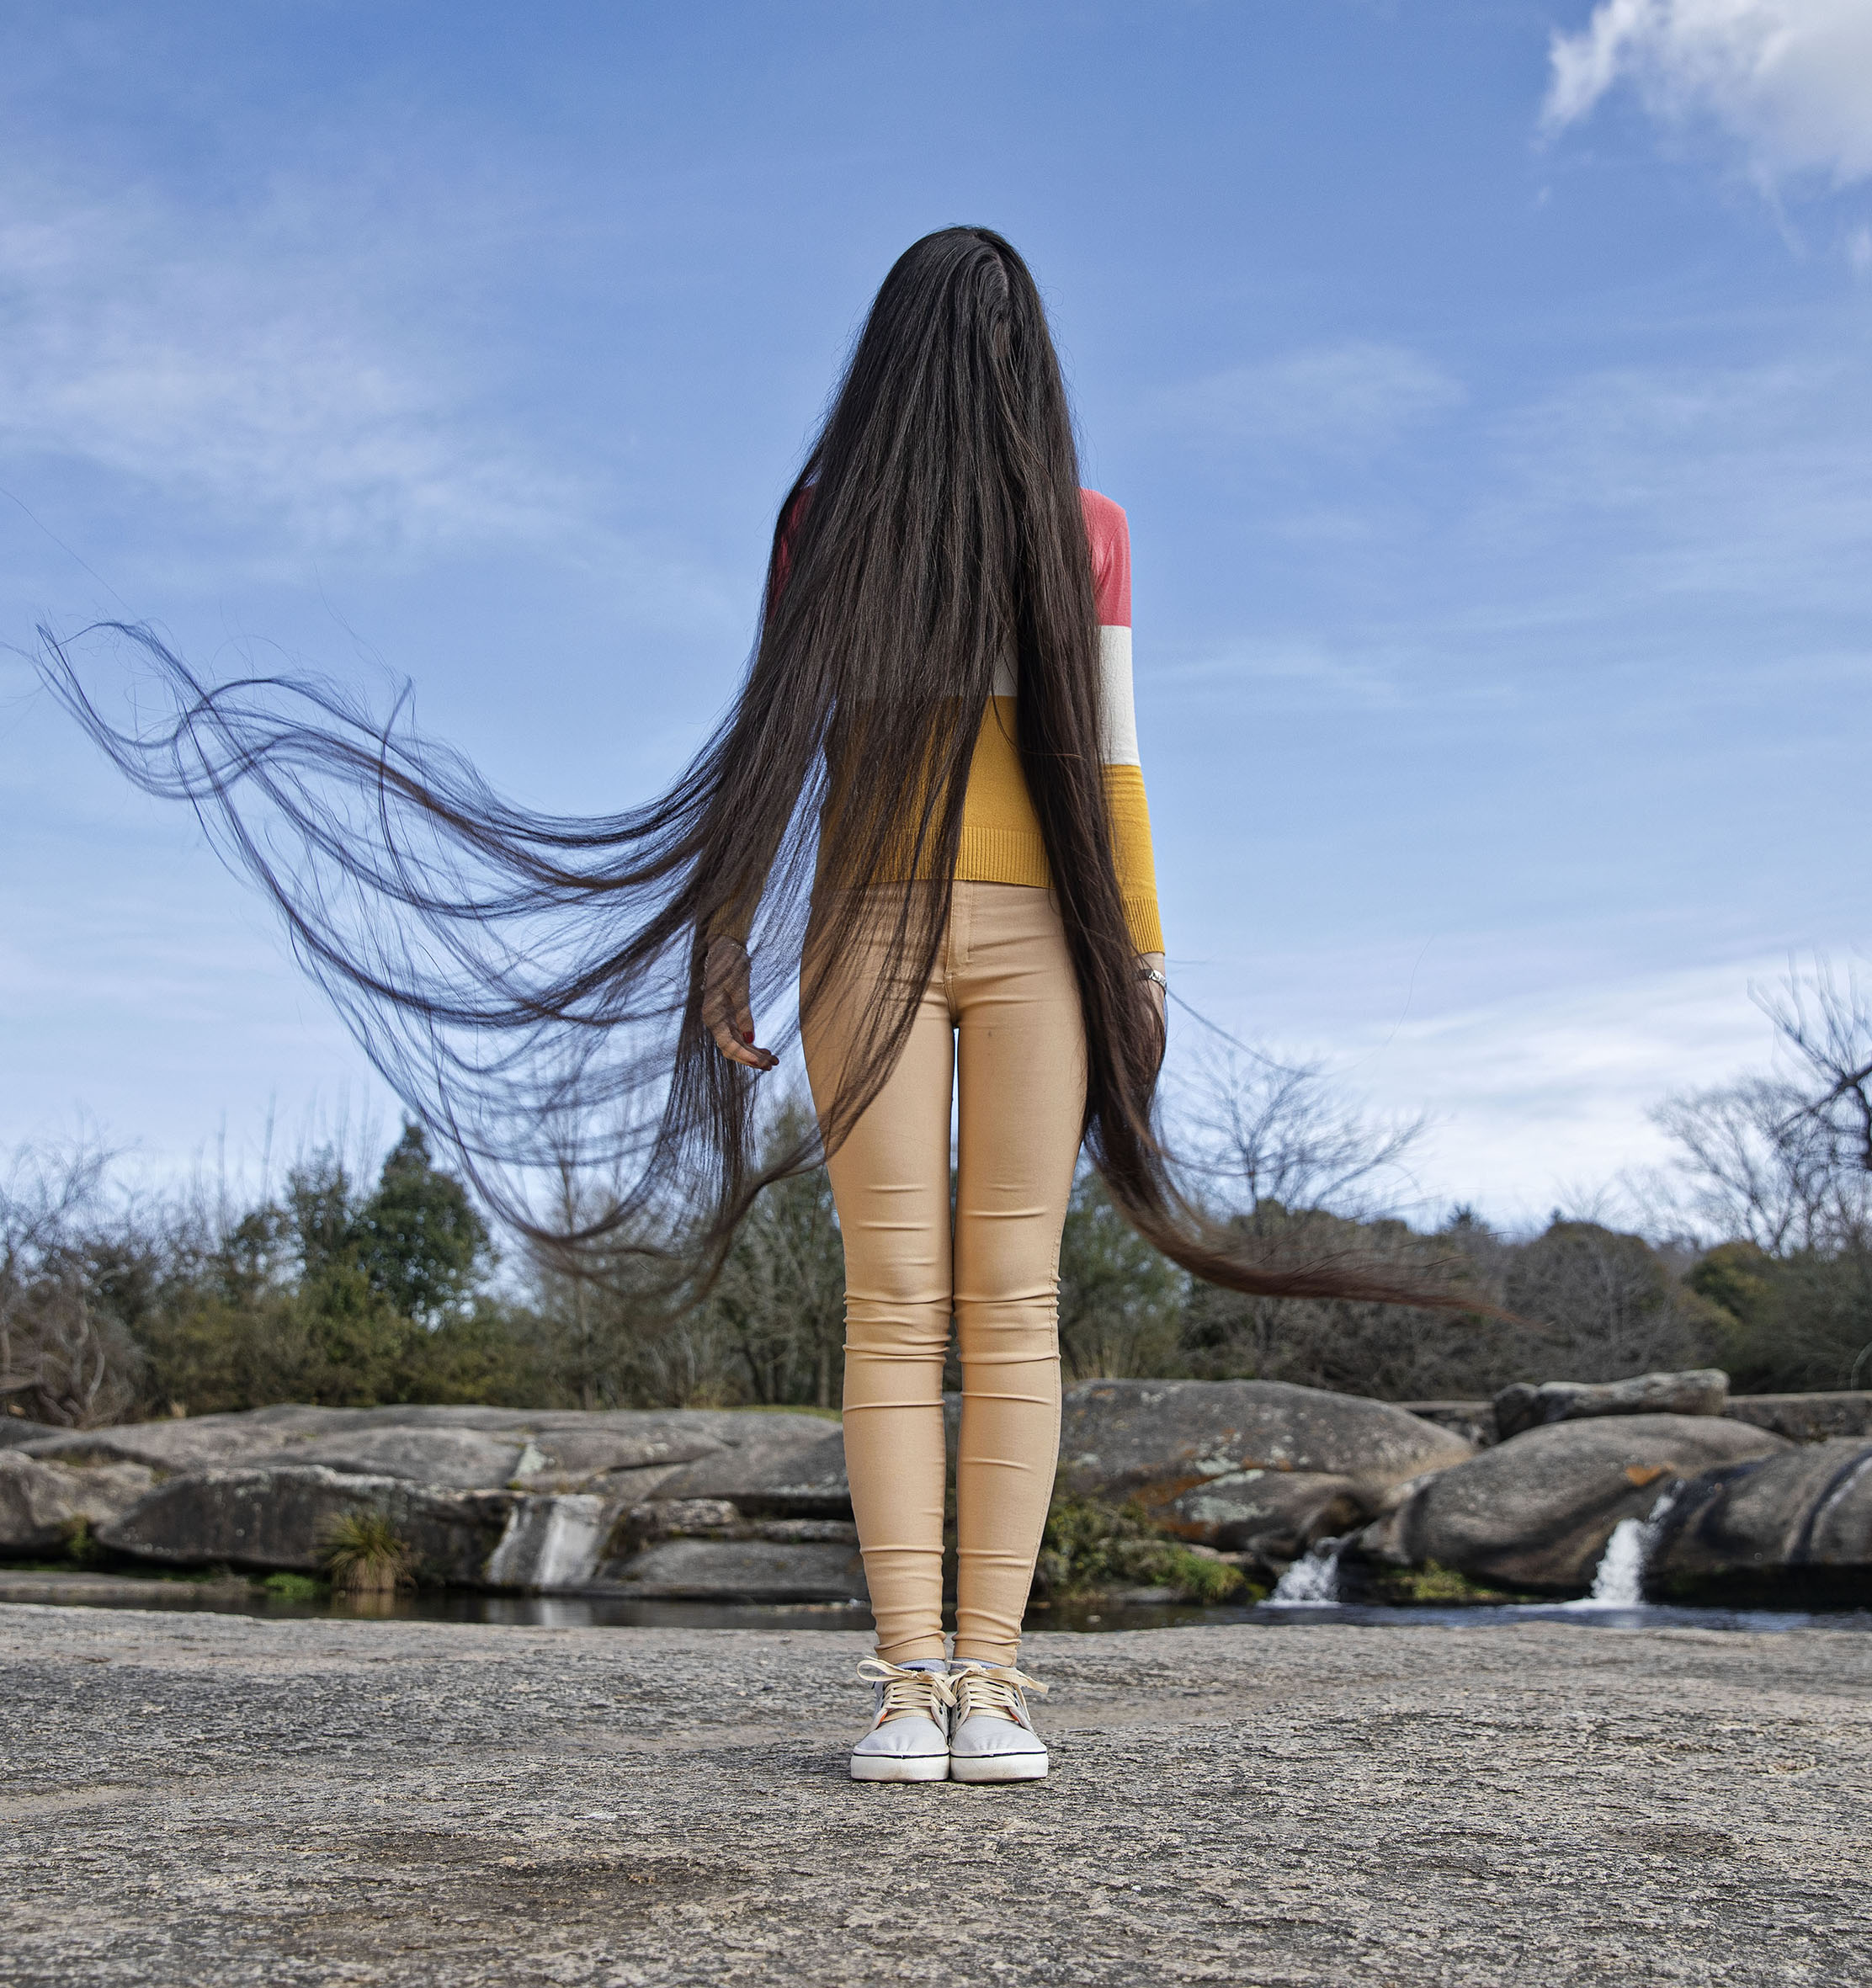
(1090, 1546)
(294, 1588)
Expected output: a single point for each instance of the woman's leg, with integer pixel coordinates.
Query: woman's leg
(889, 1179)
(1022, 1105)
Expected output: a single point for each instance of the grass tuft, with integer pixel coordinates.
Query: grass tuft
(363, 1556)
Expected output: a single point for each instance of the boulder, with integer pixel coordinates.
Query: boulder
(17, 1429)
(1703, 1391)
(1806, 1418)
(773, 1479)
(44, 1504)
(1535, 1512)
(1809, 1507)
(281, 1514)
(743, 1570)
(1275, 1515)
(1156, 1440)
(463, 1459)
(464, 1446)
(199, 1443)
(1473, 1421)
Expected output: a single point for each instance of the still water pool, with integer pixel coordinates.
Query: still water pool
(600, 1611)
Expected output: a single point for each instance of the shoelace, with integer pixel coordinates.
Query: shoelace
(996, 1693)
(917, 1694)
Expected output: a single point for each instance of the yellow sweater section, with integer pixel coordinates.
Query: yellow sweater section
(1001, 833)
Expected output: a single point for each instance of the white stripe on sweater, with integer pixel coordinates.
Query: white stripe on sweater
(1117, 711)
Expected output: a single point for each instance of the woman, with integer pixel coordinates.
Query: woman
(924, 812)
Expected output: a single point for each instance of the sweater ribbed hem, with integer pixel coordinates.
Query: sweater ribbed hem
(1002, 856)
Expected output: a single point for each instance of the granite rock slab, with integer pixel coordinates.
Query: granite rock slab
(208, 1801)
(1807, 1418)
(741, 1569)
(1156, 1440)
(1536, 1512)
(281, 1517)
(1809, 1507)
(43, 1503)
(1702, 1390)
(549, 1449)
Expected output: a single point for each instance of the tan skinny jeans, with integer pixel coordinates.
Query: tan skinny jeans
(1002, 1004)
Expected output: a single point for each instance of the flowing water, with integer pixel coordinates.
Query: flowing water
(1618, 1581)
(1312, 1582)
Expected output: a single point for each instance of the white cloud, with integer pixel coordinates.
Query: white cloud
(1537, 1092)
(256, 370)
(1346, 397)
(1789, 80)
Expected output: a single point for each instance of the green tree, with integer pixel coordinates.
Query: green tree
(421, 1242)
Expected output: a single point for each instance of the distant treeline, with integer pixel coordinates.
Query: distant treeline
(345, 1292)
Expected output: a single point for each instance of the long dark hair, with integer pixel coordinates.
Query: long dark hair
(532, 984)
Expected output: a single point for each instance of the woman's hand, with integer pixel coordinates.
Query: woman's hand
(726, 1013)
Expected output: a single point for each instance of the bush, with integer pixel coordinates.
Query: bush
(1090, 1546)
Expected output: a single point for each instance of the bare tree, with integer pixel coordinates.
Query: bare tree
(1758, 1166)
(1828, 1027)
(1605, 1304)
(62, 1360)
(1268, 1132)
(780, 1299)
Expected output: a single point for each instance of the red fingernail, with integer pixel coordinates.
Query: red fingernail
(749, 1038)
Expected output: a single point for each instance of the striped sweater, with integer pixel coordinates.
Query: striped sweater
(1001, 842)
(1001, 833)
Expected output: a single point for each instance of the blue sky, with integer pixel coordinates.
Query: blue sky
(1488, 386)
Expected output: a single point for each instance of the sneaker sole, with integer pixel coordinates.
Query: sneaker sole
(999, 1767)
(887, 1766)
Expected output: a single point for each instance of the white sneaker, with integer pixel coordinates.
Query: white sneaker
(992, 1737)
(909, 1737)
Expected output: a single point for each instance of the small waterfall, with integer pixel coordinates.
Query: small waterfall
(549, 1543)
(1619, 1581)
(1315, 1579)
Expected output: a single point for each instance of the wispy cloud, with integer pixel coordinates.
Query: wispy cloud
(1729, 481)
(1536, 1091)
(1344, 398)
(247, 369)
(1788, 81)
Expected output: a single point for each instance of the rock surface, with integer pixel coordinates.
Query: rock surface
(281, 1517)
(1473, 1421)
(42, 1504)
(1704, 1390)
(463, 1460)
(16, 1429)
(1275, 1515)
(203, 1801)
(548, 1450)
(1157, 1439)
(1809, 1507)
(748, 1570)
(1806, 1418)
(1535, 1512)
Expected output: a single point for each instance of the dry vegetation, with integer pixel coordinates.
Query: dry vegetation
(1758, 1257)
